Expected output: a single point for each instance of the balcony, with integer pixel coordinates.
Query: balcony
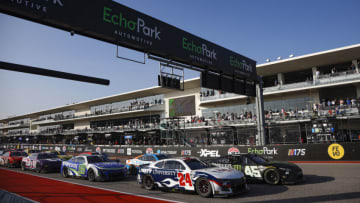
(324, 80)
(22, 125)
(113, 112)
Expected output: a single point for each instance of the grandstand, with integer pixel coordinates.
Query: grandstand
(313, 98)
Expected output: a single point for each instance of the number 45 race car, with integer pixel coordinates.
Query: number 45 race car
(256, 168)
(193, 175)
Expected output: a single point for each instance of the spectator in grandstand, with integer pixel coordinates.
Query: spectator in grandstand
(348, 101)
(353, 102)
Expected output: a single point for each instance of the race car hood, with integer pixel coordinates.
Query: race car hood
(221, 173)
(279, 164)
(113, 165)
(51, 160)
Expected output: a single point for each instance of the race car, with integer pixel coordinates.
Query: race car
(12, 158)
(133, 164)
(41, 162)
(191, 174)
(93, 167)
(257, 168)
(61, 155)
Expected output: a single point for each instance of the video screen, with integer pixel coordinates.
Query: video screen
(184, 106)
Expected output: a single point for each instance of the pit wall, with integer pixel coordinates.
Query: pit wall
(304, 152)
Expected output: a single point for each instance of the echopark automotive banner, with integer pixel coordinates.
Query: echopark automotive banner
(112, 22)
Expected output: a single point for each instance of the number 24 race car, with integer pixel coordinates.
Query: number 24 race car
(256, 168)
(193, 175)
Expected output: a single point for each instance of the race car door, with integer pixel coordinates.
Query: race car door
(80, 161)
(250, 168)
(171, 175)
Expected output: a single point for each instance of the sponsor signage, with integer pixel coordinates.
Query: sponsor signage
(302, 152)
(297, 152)
(149, 151)
(185, 152)
(336, 151)
(233, 150)
(114, 23)
(209, 153)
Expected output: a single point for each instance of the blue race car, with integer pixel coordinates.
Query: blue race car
(133, 164)
(93, 167)
(41, 162)
(193, 175)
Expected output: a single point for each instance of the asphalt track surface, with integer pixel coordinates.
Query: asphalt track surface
(324, 182)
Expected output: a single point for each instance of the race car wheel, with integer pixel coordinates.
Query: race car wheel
(132, 170)
(23, 166)
(91, 175)
(203, 187)
(38, 169)
(148, 182)
(272, 176)
(65, 172)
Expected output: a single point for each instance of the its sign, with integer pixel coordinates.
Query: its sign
(117, 24)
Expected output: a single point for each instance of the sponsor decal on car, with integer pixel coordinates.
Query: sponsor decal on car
(297, 152)
(208, 153)
(233, 150)
(336, 151)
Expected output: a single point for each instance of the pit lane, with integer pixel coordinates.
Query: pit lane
(324, 183)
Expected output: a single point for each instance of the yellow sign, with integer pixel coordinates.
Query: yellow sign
(336, 151)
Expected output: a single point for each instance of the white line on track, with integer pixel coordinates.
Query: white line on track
(127, 193)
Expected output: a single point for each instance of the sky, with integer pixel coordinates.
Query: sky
(258, 29)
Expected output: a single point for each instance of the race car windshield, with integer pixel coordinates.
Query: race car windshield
(258, 159)
(46, 156)
(95, 159)
(195, 164)
(18, 154)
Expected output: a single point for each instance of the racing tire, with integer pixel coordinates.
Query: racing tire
(272, 177)
(203, 187)
(132, 170)
(91, 175)
(65, 173)
(23, 166)
(148, 182)
(38, 169)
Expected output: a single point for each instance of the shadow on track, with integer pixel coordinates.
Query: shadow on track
(315, 179)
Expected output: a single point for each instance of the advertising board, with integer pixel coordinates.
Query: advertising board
(115, 23)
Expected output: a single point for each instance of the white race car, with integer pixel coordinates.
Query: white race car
(194, 175)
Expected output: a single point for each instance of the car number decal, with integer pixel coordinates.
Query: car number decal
(187, 179)
(252, 171)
